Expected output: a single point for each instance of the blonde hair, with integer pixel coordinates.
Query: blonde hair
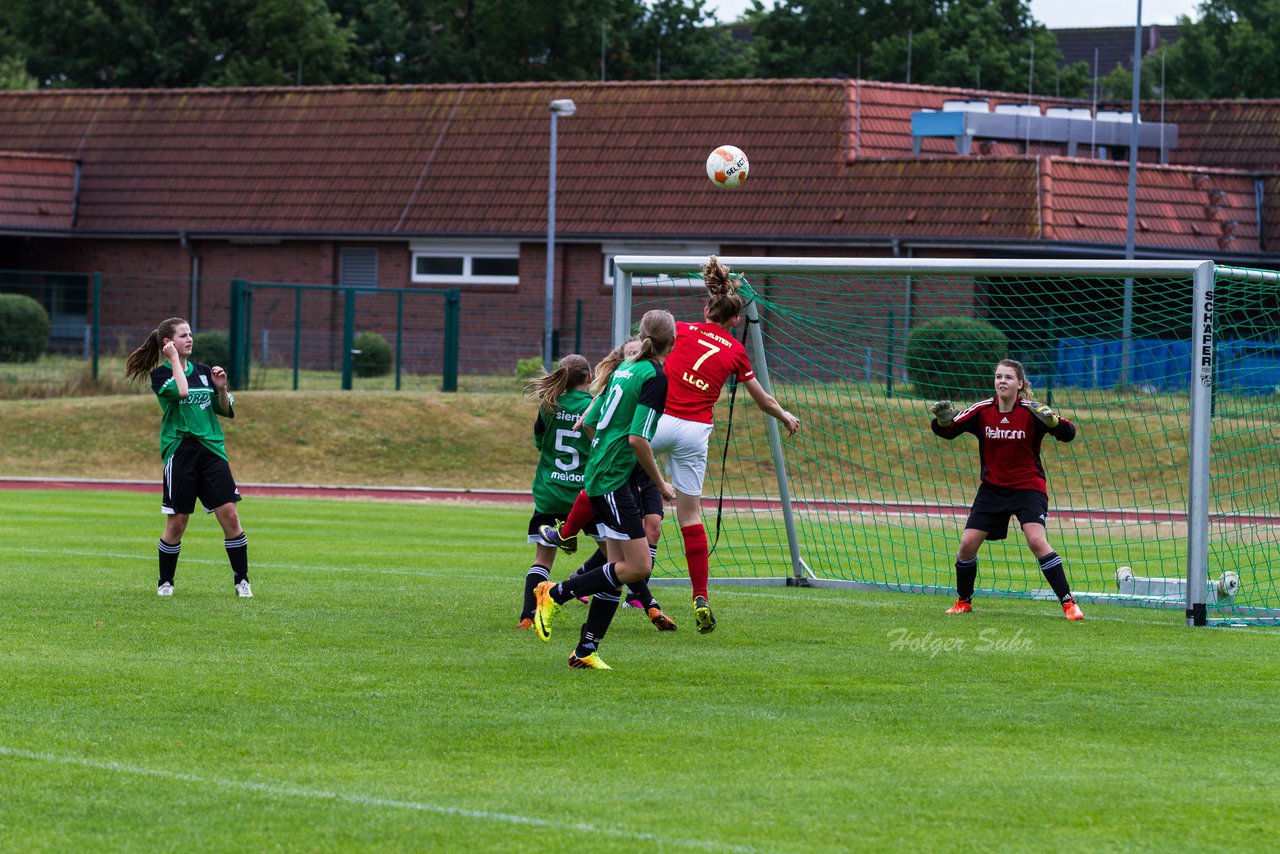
(657, 334)
(606, 366)
(147, 356)
(724, 303)
(1021, 373)
(572, 372)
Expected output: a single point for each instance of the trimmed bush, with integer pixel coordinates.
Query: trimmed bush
(955, 357)
(24, 328)
(373, 355)
(527, 369)
(211, 348)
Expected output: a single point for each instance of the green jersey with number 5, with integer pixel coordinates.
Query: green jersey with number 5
(562, 458)
(630, 406)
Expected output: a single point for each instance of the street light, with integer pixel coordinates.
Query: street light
(559, 107)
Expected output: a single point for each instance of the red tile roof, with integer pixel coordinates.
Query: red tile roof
(1225, 134)
(37, 192)
(831, 160)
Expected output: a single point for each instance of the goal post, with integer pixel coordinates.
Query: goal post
(1168, 498)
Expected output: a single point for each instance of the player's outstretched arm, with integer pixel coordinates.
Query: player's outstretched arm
(770, 406)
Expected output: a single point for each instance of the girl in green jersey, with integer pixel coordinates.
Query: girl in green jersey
(192, 397)
(562, 460)
(623, 420)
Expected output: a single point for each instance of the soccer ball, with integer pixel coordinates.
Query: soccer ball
(727, 167)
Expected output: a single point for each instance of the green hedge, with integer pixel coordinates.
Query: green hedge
(373, 355)
(24, 328)
(955, 357)
(211, 348)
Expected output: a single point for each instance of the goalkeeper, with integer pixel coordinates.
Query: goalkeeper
(1009, 427)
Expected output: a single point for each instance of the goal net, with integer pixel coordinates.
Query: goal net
(1169, 496)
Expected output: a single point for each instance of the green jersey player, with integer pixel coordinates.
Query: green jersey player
(622, 419)
(562, 460)
(192, 397)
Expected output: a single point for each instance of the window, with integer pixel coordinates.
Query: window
(700, 250)
(453, 264)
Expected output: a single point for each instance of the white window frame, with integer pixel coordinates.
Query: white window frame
(468, 251)
(610, 250)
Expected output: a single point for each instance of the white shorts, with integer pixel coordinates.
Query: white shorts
(682, 447)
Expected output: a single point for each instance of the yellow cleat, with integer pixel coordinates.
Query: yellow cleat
(591, 662)
(547, 610)
(702, 616)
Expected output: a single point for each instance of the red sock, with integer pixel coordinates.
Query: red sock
(580, 515)
(695, 553)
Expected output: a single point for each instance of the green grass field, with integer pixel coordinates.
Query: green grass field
(375, 695)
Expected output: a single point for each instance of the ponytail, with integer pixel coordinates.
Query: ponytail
(147, 356)
(724, 303)
(657, 334)
(573, 371)
(606, 366)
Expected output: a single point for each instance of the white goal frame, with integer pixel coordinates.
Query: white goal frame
(1194, 596)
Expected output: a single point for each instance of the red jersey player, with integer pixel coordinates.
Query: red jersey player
(1009, 427)
(704, 356)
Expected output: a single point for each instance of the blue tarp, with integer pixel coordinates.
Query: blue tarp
(1248, 367)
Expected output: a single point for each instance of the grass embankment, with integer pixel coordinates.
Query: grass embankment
(366, 438)
(1131, 452)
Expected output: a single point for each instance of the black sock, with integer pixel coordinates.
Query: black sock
(596, 561)
(966, 575)
(640, 590)
(1051, 566)
(589, 583)
(238, 554)
(603, 606)
(168, 560)
(536, 575)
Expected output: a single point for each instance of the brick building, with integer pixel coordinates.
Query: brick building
(171, 194)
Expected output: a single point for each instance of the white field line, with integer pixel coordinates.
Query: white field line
(285, 791)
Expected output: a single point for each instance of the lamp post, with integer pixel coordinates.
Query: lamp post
(1126, 310)
(559, 107)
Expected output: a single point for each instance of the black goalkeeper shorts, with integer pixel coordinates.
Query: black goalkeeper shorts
(995, 504)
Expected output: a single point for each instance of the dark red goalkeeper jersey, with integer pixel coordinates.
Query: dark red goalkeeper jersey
(703, 358)
(1008, 442)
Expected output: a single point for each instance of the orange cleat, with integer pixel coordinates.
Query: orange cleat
(660, 620)
(962, 606)
(1072, 610)
(525, 623)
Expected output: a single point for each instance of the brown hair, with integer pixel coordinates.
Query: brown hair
(146, 357)
(657, 334)
(572, 372)
(724, 303)
(606, 366)
(1021, 372)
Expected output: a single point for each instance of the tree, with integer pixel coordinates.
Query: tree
(983, 44)
(1228, 53)
(141, 43)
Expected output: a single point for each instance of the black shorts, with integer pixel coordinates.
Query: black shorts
(619, 513)
(650, 497)
(995, 504)
(537, 520)
(194, 472)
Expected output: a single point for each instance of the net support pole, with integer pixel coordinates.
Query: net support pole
(761, 365)
(1202, 377)
(621, 305)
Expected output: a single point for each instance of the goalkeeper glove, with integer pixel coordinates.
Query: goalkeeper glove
(943, 411)
(1042, 412)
